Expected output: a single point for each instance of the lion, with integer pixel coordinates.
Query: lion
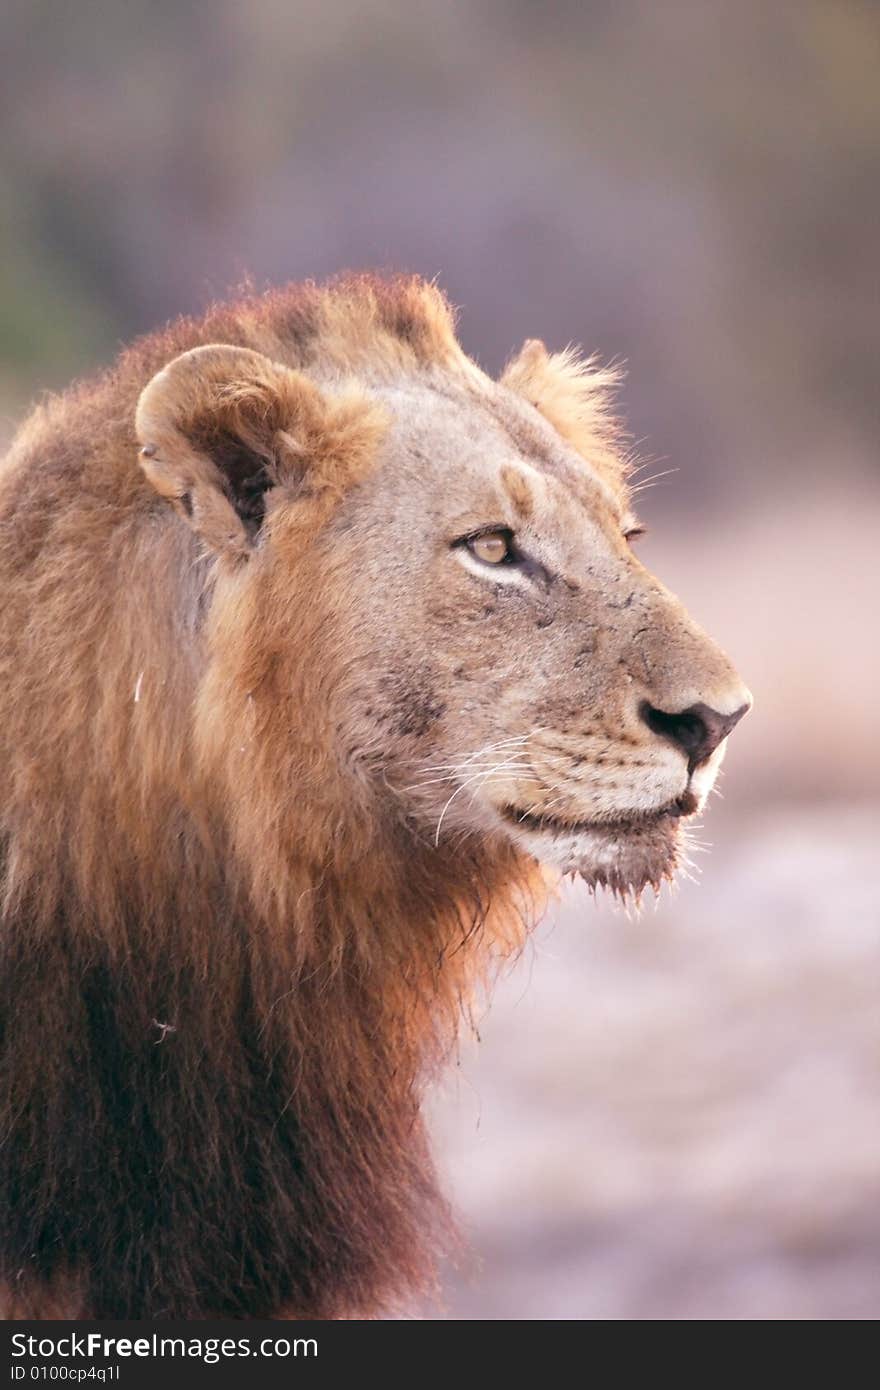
(323, 657)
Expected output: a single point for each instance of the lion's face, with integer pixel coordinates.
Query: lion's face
(431, 584)
(518, 669)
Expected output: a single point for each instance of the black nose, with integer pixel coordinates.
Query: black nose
(697, 731)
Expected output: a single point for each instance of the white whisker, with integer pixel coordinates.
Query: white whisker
(511, 764)
(487, 748)
(645, 483)
(502, 766)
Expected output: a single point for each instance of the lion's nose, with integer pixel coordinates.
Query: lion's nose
(697, 730)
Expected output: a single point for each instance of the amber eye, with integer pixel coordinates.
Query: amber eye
(493, 547)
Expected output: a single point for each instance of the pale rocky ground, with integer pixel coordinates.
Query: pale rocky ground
(677, 1116)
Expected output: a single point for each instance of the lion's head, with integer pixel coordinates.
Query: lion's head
(452, 560)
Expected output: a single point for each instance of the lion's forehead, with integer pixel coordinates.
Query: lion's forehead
(466, 441)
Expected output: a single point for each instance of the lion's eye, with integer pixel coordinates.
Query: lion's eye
(492, 548)
(632, 533)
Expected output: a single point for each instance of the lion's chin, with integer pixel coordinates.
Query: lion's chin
(625, 856)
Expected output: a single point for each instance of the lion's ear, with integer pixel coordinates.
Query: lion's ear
(576, 395)
(220, 426)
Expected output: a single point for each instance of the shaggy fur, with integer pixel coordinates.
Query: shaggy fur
(233, 948)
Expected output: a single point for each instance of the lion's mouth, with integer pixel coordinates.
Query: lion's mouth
(542, 823)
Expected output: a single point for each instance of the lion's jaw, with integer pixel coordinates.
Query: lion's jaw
(625, 850)
(627, 853)
(626, 857)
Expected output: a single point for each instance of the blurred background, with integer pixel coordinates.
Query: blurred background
(674, 1116)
